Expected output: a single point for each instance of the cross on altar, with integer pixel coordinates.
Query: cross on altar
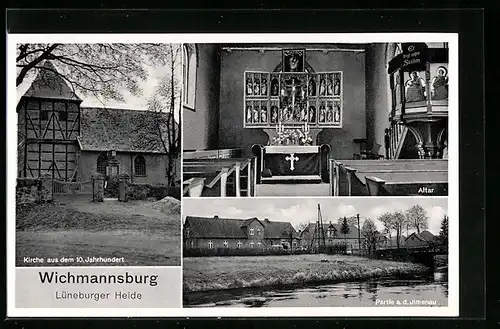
(292, 160)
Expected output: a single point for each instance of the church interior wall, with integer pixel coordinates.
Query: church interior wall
(201, 125)
(377, 95)
(235, 63)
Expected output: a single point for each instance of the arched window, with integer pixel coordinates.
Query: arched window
(189, 66)
(101, 164)
(139, 166)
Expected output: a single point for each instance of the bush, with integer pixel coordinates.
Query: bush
(112, 187)
(175, 192)
(339, 248)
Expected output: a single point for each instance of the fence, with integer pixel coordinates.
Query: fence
(71, 188)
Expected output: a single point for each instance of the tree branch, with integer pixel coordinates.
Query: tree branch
(25, 69)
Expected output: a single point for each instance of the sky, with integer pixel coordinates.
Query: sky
(305, 210)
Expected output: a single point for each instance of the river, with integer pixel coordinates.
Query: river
(430, 288)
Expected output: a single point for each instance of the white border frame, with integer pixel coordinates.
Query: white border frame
(329, 312)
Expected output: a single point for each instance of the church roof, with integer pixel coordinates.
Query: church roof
(105, 129)
(215, 227)
(48, 84)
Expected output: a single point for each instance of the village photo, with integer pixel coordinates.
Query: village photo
(333, 119)
(315, 252)
(98, 165)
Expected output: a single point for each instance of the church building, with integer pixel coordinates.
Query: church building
(68, 142)
(302, 112)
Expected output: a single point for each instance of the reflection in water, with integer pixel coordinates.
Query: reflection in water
(432, 287)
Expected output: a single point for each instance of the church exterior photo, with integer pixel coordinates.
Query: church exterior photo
(60, 139)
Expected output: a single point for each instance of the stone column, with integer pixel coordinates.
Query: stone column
(46, 188)
(97, 187)
(112, 168)
(122, 186)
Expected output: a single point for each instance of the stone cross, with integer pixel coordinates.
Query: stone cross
(292, 160)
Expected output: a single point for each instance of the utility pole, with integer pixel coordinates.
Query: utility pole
(359, 235)
(322, 231)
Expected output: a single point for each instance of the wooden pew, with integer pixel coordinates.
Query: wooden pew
(193, 187)
(404, 164)
(411, 183)
(213, 173)
(348, 176)
(213, 178)
(235, 165)
(212, 154)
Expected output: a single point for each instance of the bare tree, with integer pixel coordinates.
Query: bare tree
(400, 221)
(103, 70)
(388, 221)
(417, 218)
(302, 226)
(165, 103)
(394, 222)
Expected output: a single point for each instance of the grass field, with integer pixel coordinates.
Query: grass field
(142, 232)
(219, 273)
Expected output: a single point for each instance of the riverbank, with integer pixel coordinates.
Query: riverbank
(222, 273)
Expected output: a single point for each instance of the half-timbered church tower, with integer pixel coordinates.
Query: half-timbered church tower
(59, 137)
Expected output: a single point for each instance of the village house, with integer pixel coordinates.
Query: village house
(310, 236)
(215, 232)
(68, 142)
(422, 240)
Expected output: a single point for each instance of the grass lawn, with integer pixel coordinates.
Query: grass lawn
(141, 232)
(218, 273)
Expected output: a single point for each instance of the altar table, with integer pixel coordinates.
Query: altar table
(291, 163)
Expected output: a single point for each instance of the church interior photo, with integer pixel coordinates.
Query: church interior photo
(315, 119)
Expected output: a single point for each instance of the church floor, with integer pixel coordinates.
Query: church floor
(321, 189)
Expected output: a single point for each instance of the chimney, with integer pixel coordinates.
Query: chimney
(266, 220)
(330, 222)
(216, 217)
